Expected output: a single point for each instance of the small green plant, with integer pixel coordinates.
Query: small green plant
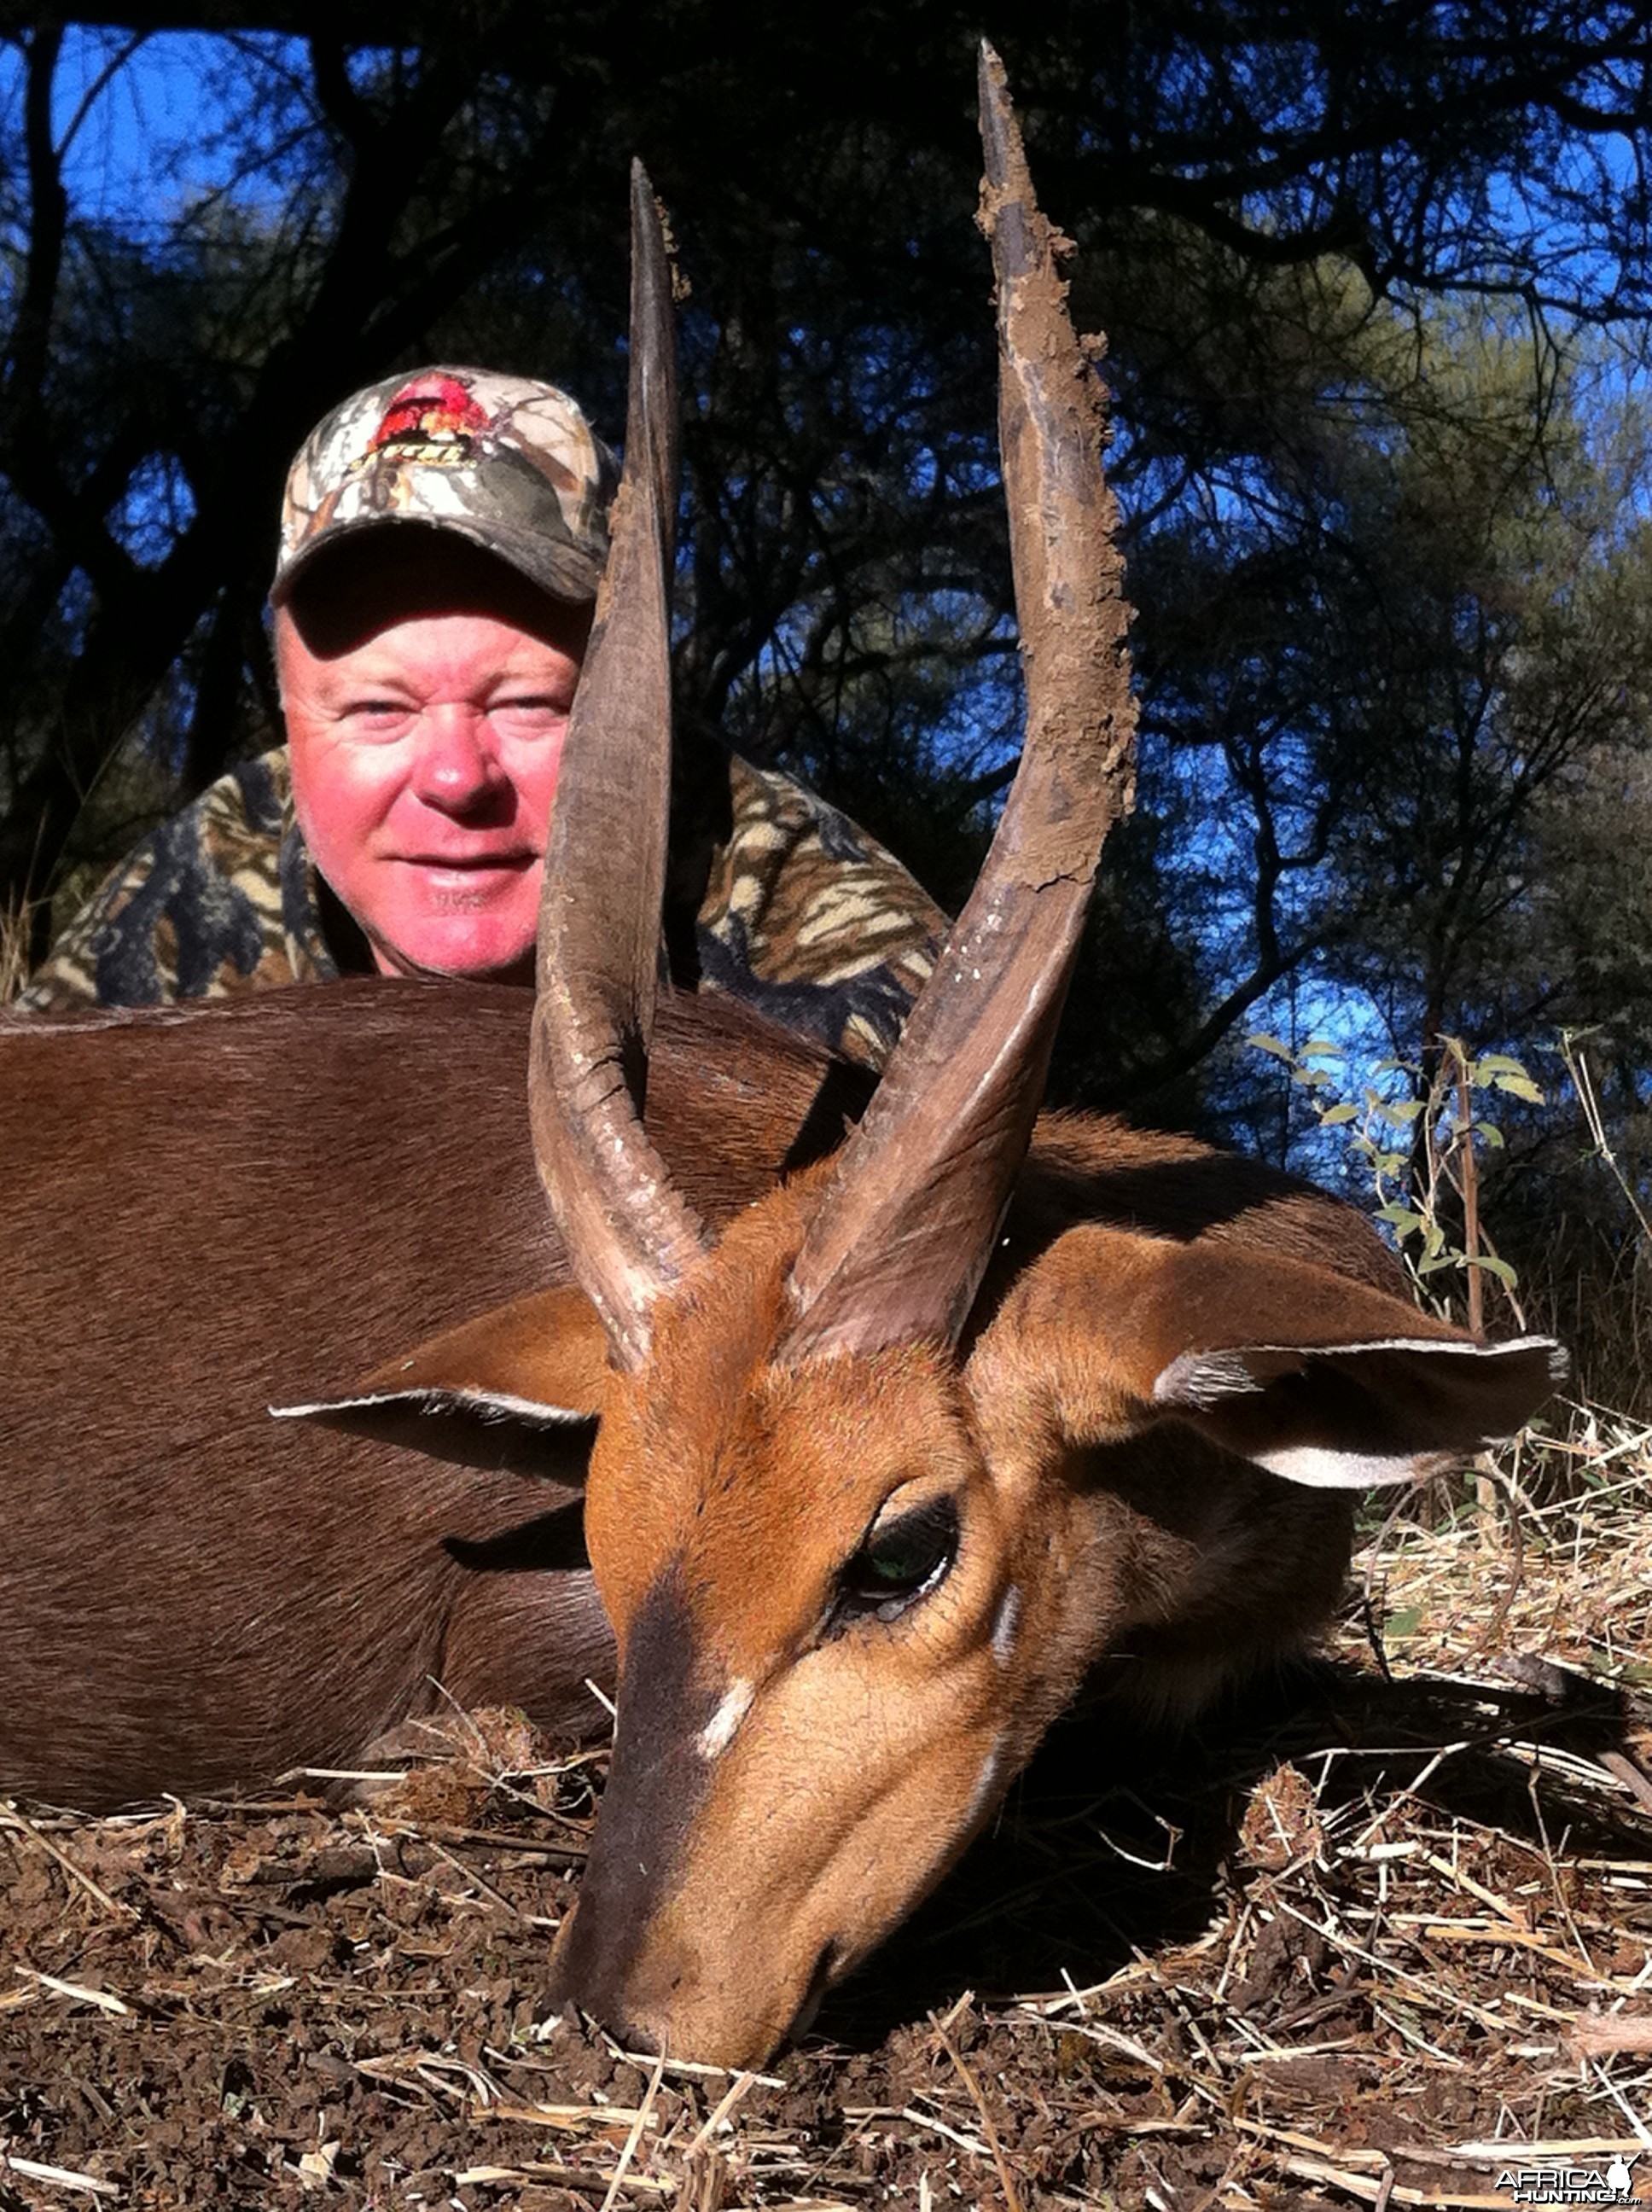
(1414, 1128)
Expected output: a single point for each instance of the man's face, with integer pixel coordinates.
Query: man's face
(427, 688)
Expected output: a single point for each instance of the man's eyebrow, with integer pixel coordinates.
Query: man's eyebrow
(371, 663)
(362, 682)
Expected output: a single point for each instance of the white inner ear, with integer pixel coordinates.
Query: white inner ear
(1316, 1467)
(1205, 1378)
(1350, 1416)
(485, 1405)
(1199, 1379)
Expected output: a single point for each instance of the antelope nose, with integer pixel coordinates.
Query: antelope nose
(590, 1972)
(645, 2041)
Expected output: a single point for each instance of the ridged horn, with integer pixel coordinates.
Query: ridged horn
(629, 1236)
(898, 1249)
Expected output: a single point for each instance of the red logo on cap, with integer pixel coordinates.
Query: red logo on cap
(432, 410)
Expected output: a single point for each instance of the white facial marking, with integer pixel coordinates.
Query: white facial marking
(1003, 1628)
(714, 1739)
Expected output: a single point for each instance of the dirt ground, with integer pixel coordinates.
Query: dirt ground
(1371, 1939)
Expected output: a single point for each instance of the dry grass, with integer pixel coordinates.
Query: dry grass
(16, 924)
(1368, 1945)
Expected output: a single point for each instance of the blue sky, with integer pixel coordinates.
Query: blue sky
(140, 113)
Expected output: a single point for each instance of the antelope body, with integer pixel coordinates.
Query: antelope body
(208, 1211)
(881, 1460)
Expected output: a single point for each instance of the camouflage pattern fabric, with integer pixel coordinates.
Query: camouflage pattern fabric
(794, 910)
(506, 461)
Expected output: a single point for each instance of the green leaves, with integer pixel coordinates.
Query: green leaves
(1414, 1128)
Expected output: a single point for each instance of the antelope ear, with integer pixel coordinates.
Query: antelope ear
(1322, 1377)
(517, 1390)
(1344, 1416)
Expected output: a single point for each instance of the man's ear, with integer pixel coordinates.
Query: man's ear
(1317, 1375)
(517, 1390)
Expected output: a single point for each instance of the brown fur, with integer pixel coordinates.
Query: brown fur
(204, 1212)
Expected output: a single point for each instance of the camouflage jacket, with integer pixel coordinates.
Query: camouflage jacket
(774, 897)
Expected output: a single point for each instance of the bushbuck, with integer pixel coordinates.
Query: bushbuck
(885, 1445)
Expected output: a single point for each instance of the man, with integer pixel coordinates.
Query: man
(442, 538)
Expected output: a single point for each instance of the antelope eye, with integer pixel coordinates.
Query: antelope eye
(900, 1560)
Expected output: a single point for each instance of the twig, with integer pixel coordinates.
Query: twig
(730, 2096)
(1631, 1776)
(696, 2067)
(102, 1998)
(1584, 1082)
(1387, 2191)
(13, 1818)
(569, 1855)
(563, 2177)
(635, 2135)
(603, 1698)
(1597, 2035)
(1006, 2180)
(470, 1874)
(1521, 1939)
(58, 2177)
(1446, 1999)
(1468, 1187)
(917, 2119)
(1552, 2147)
(1491, 1633)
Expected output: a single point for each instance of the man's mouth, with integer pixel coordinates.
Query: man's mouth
(457, 881)
(514, 862)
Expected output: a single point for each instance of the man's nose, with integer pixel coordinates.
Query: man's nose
(457, 768)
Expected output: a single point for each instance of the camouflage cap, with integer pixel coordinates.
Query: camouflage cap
(506, 461)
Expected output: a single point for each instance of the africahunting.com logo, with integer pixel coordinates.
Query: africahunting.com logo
(1550, 2183)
